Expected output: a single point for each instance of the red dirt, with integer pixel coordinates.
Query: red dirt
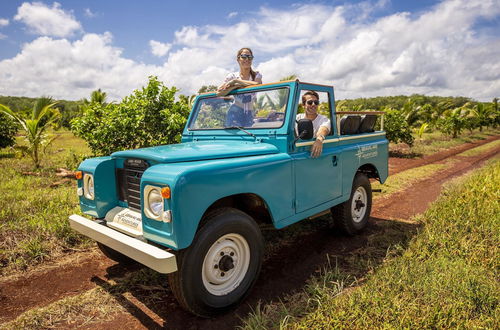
(285, 271)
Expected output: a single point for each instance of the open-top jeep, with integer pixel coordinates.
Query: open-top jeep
(193, 209)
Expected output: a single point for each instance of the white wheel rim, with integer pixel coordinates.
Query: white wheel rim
(359, 204)
(217, 275)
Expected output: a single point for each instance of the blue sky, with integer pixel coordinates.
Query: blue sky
(66, 49)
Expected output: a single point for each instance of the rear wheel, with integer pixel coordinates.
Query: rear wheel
(222, 264)
(352, 216)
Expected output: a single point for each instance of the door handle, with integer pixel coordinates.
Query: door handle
(334, 160)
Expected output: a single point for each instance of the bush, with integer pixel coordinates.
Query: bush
(148, 117)
(8, 130)
(397, 128)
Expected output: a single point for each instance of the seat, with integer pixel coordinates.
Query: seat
(367, 123)
(349, 124)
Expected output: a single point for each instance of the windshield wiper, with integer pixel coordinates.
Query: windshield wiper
(241, 129)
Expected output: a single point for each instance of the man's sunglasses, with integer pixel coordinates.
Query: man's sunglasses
(311, 102)
(246, 57)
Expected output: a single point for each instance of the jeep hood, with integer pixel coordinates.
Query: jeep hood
(202, 150)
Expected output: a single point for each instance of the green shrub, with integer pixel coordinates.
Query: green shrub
(150, 116)
(8, 130)
(397, 128)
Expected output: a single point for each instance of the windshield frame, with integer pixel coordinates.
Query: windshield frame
(197, 105)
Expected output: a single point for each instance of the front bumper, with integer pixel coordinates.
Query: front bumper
(151, 256)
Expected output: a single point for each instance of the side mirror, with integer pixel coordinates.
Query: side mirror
(305, 129)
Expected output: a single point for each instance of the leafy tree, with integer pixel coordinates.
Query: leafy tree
(43, 115)
(96, 96)
(8, 130)
(453, 121)
(396, 127)
(207, 88)
(148, 117)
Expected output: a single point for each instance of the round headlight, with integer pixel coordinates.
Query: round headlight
(155, 202)
(88, 186)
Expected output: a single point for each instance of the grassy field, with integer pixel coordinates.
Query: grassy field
(446, 277)
(436, 141)
(35, 205)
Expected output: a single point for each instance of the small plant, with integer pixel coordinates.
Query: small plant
(421, 130)
(35, 125)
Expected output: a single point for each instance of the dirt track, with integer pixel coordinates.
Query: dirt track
(286, 270)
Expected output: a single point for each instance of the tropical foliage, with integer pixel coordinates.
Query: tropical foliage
(8, 130)
(43, 115)
(150, 116)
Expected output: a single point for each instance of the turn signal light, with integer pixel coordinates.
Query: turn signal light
(78, 175)
(165, 192)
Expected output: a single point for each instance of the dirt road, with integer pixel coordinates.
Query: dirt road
(285, 271)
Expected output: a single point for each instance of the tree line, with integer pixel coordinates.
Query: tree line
(156, 114)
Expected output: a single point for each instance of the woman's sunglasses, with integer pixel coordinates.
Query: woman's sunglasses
(246, 57)
(311, 102)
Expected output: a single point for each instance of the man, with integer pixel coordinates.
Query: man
(321, 124)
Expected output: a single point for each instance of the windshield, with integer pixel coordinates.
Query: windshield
(261, 109)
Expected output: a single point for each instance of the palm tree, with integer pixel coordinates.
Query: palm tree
(96, 96)
(35, 125)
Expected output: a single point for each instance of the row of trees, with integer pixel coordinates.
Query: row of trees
(153, 116)
(419, 113)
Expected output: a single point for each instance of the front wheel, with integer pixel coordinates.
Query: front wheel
(222, 264)
(352, 216)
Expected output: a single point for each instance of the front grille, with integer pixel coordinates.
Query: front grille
(129, 182)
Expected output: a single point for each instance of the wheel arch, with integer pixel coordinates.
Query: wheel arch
(252, 204)
(370, 171)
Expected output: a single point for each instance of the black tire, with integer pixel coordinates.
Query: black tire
(352, 216)
(115, 255)
(194, 284)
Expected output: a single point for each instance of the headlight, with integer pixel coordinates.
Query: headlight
(153, 202)
(88, 186)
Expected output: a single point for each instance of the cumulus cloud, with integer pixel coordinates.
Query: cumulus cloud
(4, 22)
(71, 70)
(438, 52)
(48, 21)
(158, 48)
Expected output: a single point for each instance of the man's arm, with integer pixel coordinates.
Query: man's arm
(317, 147)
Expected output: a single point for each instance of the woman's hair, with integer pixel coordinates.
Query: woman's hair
(252, 73)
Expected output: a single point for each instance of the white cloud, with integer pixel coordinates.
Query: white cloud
(435, 52)
(72, 70)
(88, 13)
(48, 21)
(2, 36)
(4, 22)
(158, 48)
(232, 14)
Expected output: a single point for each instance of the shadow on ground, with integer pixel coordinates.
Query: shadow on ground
(302, 253)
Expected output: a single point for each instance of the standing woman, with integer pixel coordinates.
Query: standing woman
(246, 74)
(241, 112)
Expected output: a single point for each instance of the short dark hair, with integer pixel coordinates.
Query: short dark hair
(313, 93)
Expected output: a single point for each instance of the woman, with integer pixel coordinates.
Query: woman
(241, 113)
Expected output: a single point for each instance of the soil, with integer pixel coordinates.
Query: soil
(285, 271)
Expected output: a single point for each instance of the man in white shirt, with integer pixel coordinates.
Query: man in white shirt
(321, 124)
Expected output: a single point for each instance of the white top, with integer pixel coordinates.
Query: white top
(319, 121)
(247, 106)
(236, 75)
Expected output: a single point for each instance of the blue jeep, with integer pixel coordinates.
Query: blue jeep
(193, 209)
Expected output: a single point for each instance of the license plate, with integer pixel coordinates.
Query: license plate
(128, 218)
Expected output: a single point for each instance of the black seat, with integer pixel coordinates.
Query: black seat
(349, 124)
(367, 123)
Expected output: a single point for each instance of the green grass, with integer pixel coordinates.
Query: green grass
(481, 149)
(406, 178)
(34, 211)
(436, 141)
(446, 277)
